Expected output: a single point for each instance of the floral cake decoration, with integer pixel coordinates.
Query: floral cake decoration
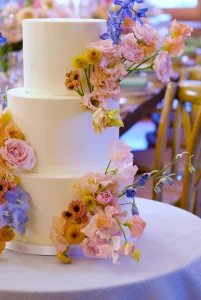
(16, 155)
(127, 46)
(104, 219)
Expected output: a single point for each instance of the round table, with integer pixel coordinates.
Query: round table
(170, 266)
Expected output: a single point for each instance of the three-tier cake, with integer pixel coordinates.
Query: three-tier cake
(54, 123)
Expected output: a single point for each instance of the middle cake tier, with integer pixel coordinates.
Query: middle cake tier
(60, 132)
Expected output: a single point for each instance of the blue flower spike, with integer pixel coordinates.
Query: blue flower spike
(3, 40)
(130, 193)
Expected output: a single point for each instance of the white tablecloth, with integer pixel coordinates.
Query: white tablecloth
(170, 266)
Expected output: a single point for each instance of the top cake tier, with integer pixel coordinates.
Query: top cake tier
(49, 47)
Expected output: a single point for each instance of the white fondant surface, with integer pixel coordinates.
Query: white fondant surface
(60, 132)
(50, 195)
(49, 47)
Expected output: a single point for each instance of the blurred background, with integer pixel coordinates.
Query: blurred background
(142, 95)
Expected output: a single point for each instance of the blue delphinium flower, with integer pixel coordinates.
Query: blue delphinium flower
(5, 215)
(140, 14)
(113, 28)
(135, 210)
(19, 221)
(3, 39)
(130, 193)
(126, 8)
(18, 199)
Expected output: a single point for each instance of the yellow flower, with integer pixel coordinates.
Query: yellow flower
(2, 141)
(93, 56)
(80, 62)
(2, 246)
(137, 255)
(65, 259)
(16, 134)
(114, 118)
(89, 203)
(74, 235)
(6, 118)
(6, 234)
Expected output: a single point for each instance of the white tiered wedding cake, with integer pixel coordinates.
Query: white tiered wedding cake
(54, 123)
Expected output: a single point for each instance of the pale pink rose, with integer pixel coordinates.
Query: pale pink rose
(120, 153)
(137, 226)
(146, 33)
(111, 250)
(131, 49)
(18, 155)
(57, 234)
(126, 174)
(104, 198)
(90, 246)
(107, 48)
(173, 46)
(128, 249)
(26, 13)
(178, 30)
(163, 66)
(100, 120)
(94, 100)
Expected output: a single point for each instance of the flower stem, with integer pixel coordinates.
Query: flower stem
(121, 229)
(108, 167)
(81, 88)
(88, 82)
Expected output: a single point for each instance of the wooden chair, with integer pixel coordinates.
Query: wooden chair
(185, 92)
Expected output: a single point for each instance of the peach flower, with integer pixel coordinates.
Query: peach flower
(26, 13)
(173, 46)
(120, 153)
(128, 249)
(137, 226)
(178, 31)
(100, 120)
(163, 66)
(131, 49)
(57, 234)
(111, 250)
(94, 100)
(126, 174)
(18, 155)
(107, 48)
(128, 25)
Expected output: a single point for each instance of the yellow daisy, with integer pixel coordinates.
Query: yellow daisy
(74, 235)
(65, 259)
(80, 62)
(2, 246)
(89, 203)
(6, 118)
(16, 134)
(6, 234)
(93, 56)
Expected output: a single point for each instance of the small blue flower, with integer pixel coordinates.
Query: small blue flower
(145, 176)
(19, 221)
(140, 182)
(18, 199)
(130, 193)
(113, 29)
(2, 40)
(169, 180)
(135, 210)
(140, 14)
(5, 215)
(126, 8)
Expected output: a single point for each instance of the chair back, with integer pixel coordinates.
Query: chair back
(187, 118)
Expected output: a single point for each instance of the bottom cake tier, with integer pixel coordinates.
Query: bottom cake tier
(50, 195)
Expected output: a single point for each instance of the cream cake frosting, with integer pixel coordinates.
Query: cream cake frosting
(53, 121)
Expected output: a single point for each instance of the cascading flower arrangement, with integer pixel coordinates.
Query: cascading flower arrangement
(15, 155)
(95, 220)
(108, 61)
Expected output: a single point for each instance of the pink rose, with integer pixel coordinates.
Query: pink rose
(120, 153)
(104, 198)
(128, 249)
(18, 155)
(131, 49)
(90, 246)
(163, 66)
(137, 226)
(107, 48)
(146, 33)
